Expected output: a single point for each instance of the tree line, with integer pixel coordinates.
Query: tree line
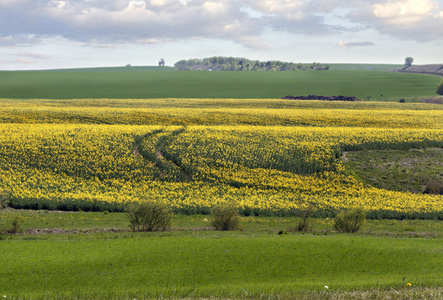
(220, 63)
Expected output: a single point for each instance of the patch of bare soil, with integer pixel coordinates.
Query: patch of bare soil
(74, 231)
(323, 98)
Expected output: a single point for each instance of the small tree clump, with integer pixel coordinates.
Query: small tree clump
(350, 221)
(225, 217)
(149, 216)
(408, 61)
(440, 88)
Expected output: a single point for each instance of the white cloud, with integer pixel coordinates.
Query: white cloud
(405, 13)
(137, 5)
(279, 7)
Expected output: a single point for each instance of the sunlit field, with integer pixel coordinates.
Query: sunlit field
(272, 157)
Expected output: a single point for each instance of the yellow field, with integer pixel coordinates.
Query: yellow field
(61, 155)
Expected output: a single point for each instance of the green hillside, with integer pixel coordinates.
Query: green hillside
(194, 84)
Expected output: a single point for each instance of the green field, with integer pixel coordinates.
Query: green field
(415, 171)
(214, 265)
(140, 84)
(96, 258)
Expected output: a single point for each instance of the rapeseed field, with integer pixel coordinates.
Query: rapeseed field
(270, 157)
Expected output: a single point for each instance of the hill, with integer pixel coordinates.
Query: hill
(135, 83)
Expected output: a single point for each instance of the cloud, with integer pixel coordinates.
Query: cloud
(354, 44)
(406, 13)
(24, 61)
(104, 21)
(19, 40)
(417, 20)
(112, 22)
(33, 55)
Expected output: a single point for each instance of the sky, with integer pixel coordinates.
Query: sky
(52, 34)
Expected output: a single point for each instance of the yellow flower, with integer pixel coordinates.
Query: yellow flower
(408, 284)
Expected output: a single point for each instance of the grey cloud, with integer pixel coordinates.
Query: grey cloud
(19, 40)
(107, 22)
(133, 21)
(354, 44)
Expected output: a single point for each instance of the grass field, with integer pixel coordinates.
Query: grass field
(97, 258)
(139, 84)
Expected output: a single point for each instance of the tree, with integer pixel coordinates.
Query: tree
(408, 61)
(161, 63)
(440, 88)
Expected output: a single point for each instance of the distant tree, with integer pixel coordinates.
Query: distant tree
(440, 88)
(161, 63)
(408, 61)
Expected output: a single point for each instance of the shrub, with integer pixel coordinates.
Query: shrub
(4, 200)
(440, 88)
(149, 216)
(350, 221)
(16, 224)
(305, 223)
(225, 217)
(433, 186)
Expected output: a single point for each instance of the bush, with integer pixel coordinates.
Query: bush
(440, 88)
(4, 200)
(350, 221)
(225, 217)
(305, 223)
(433, 186)
(16, 224)
(149, 216)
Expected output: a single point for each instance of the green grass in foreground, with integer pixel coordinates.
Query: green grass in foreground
(93, 262)
(194, 84)
(214, 264)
